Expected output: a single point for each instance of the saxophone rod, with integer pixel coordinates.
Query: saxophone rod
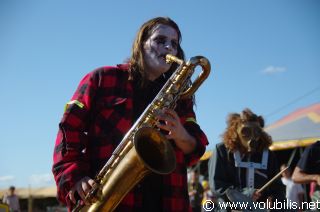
(273, 179)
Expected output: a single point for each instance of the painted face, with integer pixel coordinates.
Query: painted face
(249, 134)
(163, 40)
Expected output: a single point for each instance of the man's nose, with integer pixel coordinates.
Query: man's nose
(168, 47)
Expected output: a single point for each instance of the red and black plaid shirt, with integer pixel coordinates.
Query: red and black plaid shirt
(96, 119)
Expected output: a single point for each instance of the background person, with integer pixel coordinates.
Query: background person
(195, 191)
(207, 194)
(308, 169)
(242, 162)
(107, 103)
(294, 191)
(12, 200)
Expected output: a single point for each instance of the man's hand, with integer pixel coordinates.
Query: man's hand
(256, 195)
(82, 187)
(318, 179)
(176, 131)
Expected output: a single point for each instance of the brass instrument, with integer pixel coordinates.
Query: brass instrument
(144, 149)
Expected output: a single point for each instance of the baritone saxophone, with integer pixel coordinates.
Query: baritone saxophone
(144, 149)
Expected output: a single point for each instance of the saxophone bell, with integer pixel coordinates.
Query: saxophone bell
(155, 150)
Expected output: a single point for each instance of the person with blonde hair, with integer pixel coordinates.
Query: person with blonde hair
(207, 193)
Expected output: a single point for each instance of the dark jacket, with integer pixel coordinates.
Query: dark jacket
(223, 174)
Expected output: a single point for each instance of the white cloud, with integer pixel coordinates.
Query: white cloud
(6, 178)
(41, 179)
(273, 70)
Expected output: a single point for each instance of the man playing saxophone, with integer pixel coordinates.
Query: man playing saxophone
(104, 107)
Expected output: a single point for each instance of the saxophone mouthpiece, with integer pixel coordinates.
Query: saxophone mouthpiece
(170, 59)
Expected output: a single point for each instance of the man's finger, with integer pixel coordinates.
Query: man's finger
(81, 193)
(91, 182)
(71, 196)
(172, 113)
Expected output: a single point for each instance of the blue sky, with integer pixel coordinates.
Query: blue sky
(264, 55)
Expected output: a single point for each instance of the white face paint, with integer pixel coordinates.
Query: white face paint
(163, 40)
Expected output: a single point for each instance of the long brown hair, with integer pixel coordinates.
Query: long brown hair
(231, 138)
(136, 60)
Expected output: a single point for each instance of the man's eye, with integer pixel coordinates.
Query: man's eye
(160, 40)
(174, 44)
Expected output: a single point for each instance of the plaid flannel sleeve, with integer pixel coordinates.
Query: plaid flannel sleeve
(69, 158)
(188, 118)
